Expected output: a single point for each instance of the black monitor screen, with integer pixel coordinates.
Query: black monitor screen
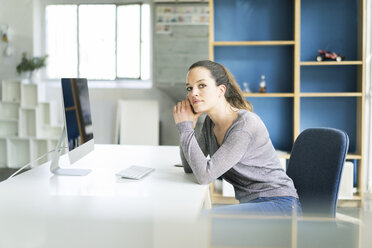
(77, 111)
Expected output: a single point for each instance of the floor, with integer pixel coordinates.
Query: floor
(6, 172)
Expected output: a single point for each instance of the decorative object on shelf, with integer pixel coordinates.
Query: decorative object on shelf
(327, 55)
(246, 87)
(29, 65)
(262, 88)
(169, 15)
(4, 32)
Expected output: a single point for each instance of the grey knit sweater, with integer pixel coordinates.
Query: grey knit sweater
(246, 158)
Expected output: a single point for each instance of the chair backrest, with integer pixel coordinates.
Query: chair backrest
(137, 122)
(315, 166)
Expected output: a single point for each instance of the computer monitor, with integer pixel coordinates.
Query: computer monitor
(78, 125)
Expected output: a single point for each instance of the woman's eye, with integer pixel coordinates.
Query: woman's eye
(189, 88)
(202, 85)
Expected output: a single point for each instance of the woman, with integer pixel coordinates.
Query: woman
(236, 140)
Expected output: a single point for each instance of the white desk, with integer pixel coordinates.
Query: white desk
(64, 211)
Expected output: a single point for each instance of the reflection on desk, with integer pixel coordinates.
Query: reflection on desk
(38, 204)
(271, 231)
(39, 209)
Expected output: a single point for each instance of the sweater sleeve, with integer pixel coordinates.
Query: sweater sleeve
(201, 142)
(228, 154)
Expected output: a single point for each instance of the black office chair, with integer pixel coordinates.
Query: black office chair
(315, 166)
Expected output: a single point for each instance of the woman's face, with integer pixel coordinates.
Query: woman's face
(202, 91)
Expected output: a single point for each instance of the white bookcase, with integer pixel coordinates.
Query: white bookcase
(26, 130)
(3, 153)
(11, 91)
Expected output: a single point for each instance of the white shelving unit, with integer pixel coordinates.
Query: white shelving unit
(18, 152)
(27, 122)
(8, 127)
(29, 97)
(3, 153)
(26, 130)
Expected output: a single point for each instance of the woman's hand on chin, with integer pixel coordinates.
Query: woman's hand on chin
(183, 112)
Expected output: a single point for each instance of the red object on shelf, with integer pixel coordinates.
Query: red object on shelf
(327, 55)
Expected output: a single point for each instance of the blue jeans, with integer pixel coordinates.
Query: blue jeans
(284, 205)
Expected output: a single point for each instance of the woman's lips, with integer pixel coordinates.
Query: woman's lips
(196, 101)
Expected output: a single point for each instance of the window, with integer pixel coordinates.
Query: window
(103, 42)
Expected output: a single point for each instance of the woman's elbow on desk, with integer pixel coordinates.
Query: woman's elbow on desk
(204, 181)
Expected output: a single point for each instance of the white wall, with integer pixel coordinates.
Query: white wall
(103, 107)
(18, 16)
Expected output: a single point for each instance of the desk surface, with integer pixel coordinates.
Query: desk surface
(38, 209)
(44, 200)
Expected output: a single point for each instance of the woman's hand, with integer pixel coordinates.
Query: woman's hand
(183, 112)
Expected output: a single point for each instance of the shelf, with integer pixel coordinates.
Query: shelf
(27, 122)
(9, 110)
(15, 137)
(356, 197)
(332, 94)
(329, 79)
(28, 107)
(44, 113)
(48, 131)
(350, 203)
(353, 156)
(316, 63)
(286, 156)
(8, 120)
(217, 198)
(278, 122)
(3, 153)
(348, 156)
(333, 112)
(253, 43)
(38, 149)
(8, 128)
(275, 62)
(181, 24)
(29, 95)
(18, 152)
(268, 94)
(281, 41)
(11, 91)
(230, 19)
(330, 25)
(180, 1)
(10, 102)
(22, 119)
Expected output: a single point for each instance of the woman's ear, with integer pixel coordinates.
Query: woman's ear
(222, 90)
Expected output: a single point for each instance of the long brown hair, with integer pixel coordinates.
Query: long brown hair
(222, 76)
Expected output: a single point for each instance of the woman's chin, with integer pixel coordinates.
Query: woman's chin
(199, 108)
(196, 109)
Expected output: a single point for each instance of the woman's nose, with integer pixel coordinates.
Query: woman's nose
(195, 91)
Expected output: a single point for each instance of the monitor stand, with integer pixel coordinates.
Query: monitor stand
(54, 166)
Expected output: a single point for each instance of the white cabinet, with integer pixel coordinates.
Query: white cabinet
(26, 132)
